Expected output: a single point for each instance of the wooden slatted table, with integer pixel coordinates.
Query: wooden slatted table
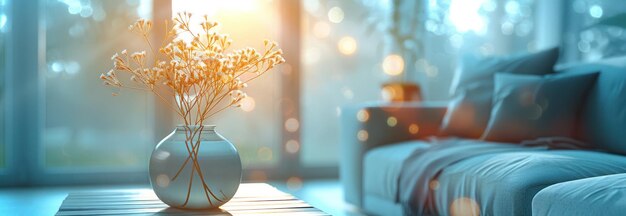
(250, 199)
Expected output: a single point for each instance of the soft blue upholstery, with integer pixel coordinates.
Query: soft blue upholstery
(604, 195)
(426, 115)
(603, 117)
(382, 167)
(504, 184)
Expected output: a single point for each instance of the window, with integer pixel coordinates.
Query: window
(342, 59)
(85, 126)
(478, 28)
(585, 42)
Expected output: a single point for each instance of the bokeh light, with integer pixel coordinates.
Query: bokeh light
(388, 93)
(464, 207)
(433, 185)
(596, 11)
(362, 135)
(292, 146)
(347, 93)
(414, 129)
(392, 121)
(347, 45)
(258, 176)
(393, 65)
(294, 183)
(335, 15)
(163, 180)
(362, 115)
(292, 125)
(247, 104)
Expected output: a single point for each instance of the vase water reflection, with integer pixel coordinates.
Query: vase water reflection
(195, 168)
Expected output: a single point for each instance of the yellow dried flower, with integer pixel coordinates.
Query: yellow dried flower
(200, 67)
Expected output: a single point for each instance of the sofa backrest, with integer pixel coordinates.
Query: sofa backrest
(602, 122)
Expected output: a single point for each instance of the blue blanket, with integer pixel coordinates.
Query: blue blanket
(424, 165)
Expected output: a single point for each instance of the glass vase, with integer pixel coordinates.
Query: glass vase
(195, 168)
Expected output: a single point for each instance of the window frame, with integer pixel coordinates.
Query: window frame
(7, 171)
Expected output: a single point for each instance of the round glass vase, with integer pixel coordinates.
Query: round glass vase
(195, 168)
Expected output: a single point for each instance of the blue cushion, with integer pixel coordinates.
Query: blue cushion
(605, 195)
(527, 107)
(603, 115)
(472, 88)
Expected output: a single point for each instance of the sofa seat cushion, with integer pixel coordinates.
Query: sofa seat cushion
(604, 195)
(505, 183)
(382, 167)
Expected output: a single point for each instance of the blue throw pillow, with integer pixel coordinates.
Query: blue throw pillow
(529, 106)
(472, 89)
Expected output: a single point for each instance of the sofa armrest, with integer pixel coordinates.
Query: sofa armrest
(365, 126)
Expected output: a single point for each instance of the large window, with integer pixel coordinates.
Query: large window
(85, 126)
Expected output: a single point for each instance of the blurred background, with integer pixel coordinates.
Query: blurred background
(60, 126)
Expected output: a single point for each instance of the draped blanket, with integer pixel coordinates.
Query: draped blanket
(424, 165)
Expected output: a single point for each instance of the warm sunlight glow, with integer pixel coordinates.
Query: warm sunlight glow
(393, 65)
(213, 7)
(321, 30)
(347, 45)
(465, 17)
(245, 20)
(335, 15)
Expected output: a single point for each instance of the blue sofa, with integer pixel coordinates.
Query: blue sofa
(378, 138)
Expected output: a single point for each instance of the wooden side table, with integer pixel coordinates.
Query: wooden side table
(250, 199)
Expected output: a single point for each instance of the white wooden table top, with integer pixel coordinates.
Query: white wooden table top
(250, 199)
(47, 200)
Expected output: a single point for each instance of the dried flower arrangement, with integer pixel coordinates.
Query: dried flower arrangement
(198, 74)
